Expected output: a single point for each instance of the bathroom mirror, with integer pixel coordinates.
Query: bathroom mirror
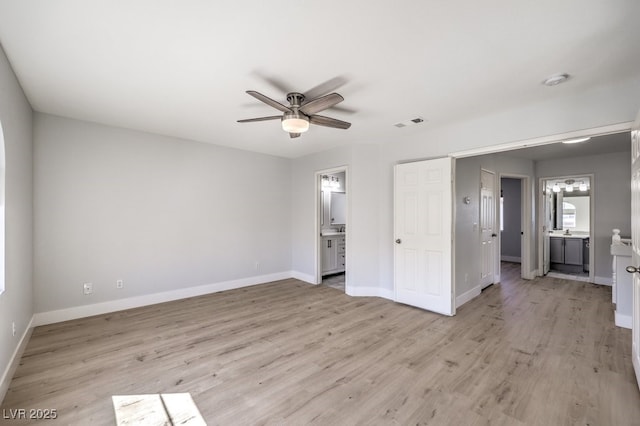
(338, 208)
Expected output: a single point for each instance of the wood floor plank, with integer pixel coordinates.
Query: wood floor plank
(535, 352)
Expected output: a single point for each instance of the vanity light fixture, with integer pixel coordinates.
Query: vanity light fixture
(556, 187)
(582, 187)
(335, 183)
(569, 185)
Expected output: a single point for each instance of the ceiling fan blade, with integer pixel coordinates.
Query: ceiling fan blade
(320, 104)
(294, 135)
(250, 120)
(275, 82)
(277, 105)
(329, 122)
(328, 86)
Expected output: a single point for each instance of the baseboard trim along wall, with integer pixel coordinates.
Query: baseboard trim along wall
(370, 292)
(307, 278)
(467, 296)
(604, 281)
(515, 259)
(83, 311)
(15, 361)
(623, 320)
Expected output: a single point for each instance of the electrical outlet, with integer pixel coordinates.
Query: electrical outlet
(13, 328)
(119, 284)
(87, 288)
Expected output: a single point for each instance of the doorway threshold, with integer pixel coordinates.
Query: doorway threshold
(568, 276)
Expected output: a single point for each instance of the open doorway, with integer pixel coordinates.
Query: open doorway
(512, 225)
(332, 226)
(567, 208)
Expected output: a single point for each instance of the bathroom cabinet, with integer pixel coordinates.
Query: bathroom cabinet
(566, 250)
(333, 254)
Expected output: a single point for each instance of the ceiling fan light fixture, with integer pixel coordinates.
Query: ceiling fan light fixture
(295, 123)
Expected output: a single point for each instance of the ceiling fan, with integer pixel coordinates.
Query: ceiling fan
(300, 113)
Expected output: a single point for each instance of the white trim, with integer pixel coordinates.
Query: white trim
(515, 259)
(50, 317)
(13, 363)
(467, 296)
(308, 278)
(527, 223)
(604, 281)
(544, 140)
(318, 227)
(623, 320)
(385, 293)
(592, 222)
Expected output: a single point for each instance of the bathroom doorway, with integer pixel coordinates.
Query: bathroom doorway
(567, 228)
(332, 218)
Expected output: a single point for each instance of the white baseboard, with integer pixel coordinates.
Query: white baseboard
(303, 277)
(604, 281)
(15, 361)
(50, 317)
(467, 296)
(515, 259)
(370, 292)
(623, 320)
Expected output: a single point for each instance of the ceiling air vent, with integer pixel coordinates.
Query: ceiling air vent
(411, 122)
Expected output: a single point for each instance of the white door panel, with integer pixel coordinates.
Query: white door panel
(635, 242)
(487, 227)
(422, 226)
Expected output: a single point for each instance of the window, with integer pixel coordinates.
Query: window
(568, 215)
(502, 213)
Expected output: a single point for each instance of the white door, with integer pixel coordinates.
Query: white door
(488, 232)
(635, 239)
(546, 229)
(422, 227)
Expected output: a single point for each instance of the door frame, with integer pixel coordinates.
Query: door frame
(592, 221)
(318, 222)
(525, 220)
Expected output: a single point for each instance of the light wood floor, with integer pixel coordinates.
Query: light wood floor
(542, 352)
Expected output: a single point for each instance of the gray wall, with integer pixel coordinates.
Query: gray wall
(510, 238)
(611, 195)
(467, 236)
(16, 303)
(159, 213)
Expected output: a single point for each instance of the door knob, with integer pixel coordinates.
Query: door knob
(632, 269)
(398, 241)
(494, 235)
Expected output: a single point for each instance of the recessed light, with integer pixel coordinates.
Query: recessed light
(578, 140)
(556, 79)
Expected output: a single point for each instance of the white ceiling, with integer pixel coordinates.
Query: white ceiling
(181, 68)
